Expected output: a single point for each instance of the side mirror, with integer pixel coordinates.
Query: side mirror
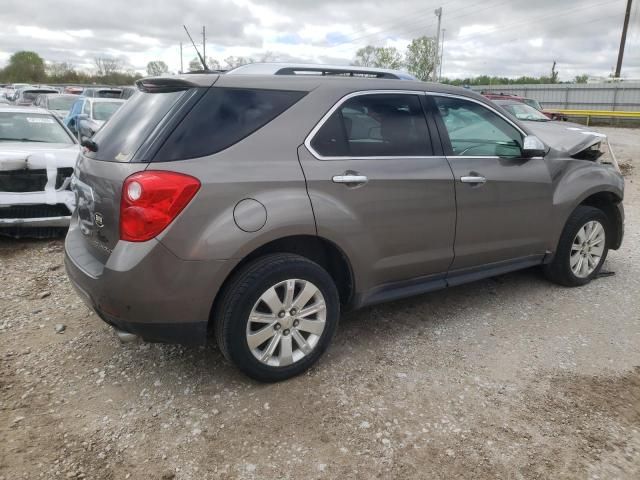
(533, 147)
(82, 116)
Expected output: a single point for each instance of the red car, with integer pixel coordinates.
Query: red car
(529, 101)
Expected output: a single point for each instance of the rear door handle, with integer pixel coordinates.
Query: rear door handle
(474, 179)
(352, 179)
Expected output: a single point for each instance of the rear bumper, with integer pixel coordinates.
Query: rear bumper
(146, 290)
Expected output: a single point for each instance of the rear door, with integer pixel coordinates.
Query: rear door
(504, 201)
(380, 190)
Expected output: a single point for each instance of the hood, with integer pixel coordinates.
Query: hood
(567, 137)
(18, 155)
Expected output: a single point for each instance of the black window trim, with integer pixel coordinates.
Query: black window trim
(339, 103)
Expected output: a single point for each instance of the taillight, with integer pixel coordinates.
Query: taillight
(151, 200)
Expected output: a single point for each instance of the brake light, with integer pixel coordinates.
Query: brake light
(151, 200)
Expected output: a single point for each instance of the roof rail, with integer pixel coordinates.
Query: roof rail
(324, 70)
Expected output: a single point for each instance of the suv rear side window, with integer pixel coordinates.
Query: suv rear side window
(375, 125)
(223, 117)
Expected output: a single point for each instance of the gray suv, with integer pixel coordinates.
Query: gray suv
(257, 208)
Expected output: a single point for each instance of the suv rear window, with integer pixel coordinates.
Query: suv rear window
(132, 123)
(223, 117)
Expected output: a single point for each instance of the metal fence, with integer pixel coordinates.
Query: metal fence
(623, 96)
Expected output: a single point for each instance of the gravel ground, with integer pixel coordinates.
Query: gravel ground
(507, 378)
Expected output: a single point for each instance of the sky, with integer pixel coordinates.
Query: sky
(481, 37)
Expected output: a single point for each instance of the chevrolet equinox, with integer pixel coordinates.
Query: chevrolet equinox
(255, 208)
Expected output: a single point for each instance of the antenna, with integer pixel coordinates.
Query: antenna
(204, 64)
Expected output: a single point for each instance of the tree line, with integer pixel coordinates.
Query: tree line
(419, 59)
(29, 67)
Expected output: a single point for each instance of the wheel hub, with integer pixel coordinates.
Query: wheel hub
(286, 322)
(587, 249)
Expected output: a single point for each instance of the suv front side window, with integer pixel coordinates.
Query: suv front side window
(375, 125)
(474, 130)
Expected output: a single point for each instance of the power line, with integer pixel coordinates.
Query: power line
(423, 26)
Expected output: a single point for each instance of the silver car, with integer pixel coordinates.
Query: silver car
(37, 156)
(256, 208)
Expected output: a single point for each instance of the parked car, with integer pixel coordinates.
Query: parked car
(59, 104)
(27, 95)
(528, 101)
(102, 92)
(258, 207)
(88, 114)
(73, 90)
(37, 155)
(11, 90)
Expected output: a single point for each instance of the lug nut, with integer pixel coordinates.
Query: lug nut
(293, 311)
(296, 323)
(286, 332)
(277, 326)
(281, 314)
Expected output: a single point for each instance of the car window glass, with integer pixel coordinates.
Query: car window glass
(375, 125)
(103, 111)
(474, 130)
(31, 127)
(223, 117)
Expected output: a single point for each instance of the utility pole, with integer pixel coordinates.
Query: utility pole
(623, 39)
(441, 54)
(438, 13)
(181, 65)
(204, 44)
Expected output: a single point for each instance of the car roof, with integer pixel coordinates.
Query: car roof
(505, 101)
(305, 83)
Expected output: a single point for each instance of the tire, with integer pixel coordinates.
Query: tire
(242, 312)
(560, 270)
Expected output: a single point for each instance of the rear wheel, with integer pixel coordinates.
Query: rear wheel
(582, 248)
(277, 316)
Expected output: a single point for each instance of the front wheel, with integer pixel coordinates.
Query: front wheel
(582, 248)
(277, 316)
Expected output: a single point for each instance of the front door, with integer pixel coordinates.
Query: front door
(504, 201)
(377, 189)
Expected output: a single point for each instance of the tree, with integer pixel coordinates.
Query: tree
(233, 62)
(554, 73)
(60, 70)
(25, 66)
(581, 78)
(365, 56)
(378, 57)
(107, 65)
(156, 68)
(420, 58)
(195, 65)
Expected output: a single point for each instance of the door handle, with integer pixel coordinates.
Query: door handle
(474, 179)
(352, 179)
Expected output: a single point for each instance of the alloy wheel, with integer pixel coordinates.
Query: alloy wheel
(286, 322)
(587, 249)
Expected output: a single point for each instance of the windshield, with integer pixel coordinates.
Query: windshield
(31, 127)
(62, 102)
(524, 112)
(533, 103)
(103, 110)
